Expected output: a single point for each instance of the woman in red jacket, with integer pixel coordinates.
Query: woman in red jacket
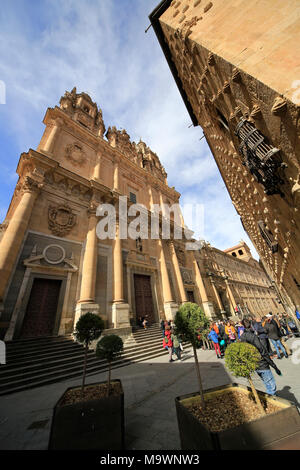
(167, 343)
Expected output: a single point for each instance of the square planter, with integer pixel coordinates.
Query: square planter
(90, 425)
(280, 430)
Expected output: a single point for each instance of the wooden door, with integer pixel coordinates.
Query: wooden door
(39, 319)
(143, 297)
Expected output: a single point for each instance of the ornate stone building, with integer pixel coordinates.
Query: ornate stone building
(237, 67)
(236, 284)
(53, 266)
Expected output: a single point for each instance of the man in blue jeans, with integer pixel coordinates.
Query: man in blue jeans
(263, 368)
(273, 333)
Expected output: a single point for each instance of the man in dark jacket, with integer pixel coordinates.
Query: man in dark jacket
(273, 333)
(261, 333)
(263, 368)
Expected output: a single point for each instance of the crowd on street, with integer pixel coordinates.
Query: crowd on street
(268, 334)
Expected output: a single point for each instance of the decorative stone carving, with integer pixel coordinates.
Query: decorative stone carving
(186, 276)
(180, 256)
(61, 220)
(30, 185)
(208, 7)
(279, 106)
(211, 59)
(75, 154)
(256, 112)
(236, 75)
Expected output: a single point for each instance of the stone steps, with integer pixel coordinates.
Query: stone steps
(42, 361)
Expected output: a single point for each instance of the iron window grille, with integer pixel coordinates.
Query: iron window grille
(262, 159)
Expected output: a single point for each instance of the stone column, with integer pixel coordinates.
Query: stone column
(87, 301)
(231, 297)
(52, 137)
(97, 169)
(116, 176)
(182, 292)
(120, 309)
(14, 235)
(163, 212)
(170, 307)
(207, 306)
(151, 202)
(219, 302)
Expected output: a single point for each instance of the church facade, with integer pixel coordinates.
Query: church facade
(54, 263)
(237, 69)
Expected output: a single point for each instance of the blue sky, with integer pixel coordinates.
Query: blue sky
(99, 46)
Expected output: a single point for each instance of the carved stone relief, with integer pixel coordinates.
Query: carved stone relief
(61, 220)
(75, 154)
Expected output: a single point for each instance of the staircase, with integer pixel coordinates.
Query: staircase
(36, 362)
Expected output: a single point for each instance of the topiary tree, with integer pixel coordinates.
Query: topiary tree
(109, 347)
(88, 328)
(242, 360)
(190, 323)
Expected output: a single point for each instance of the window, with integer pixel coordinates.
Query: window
(241, 252)
(234, 254)
(262, 159)
(132, 197)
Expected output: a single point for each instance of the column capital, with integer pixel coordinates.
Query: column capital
(30, 185)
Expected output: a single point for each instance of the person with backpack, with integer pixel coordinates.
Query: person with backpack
(263, 369)
(215, 339)
(167, 343)
(176, 344)
(230, 331)
(261, 333)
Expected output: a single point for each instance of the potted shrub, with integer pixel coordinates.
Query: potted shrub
(84, 417)
(191, 323)
(236, 417)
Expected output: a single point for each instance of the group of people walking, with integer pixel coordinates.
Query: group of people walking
(171, 342)
(261, 333)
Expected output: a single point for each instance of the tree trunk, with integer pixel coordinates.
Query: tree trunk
(84, 368)
(199, 377)
(109, 375)
(258, 402)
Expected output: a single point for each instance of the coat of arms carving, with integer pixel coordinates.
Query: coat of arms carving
(61, 220)
(75, 154)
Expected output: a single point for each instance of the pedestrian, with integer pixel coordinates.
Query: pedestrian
(231, 333)
(176, 344)
(262, 334)
(239, 328)
(145, 323)
(162, 327)
(167, 343)
(297, 315)
(215, 339)
(263, 369)
(272, 330)
(223, 336)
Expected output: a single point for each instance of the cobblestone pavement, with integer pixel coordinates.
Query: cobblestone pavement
(150, 388)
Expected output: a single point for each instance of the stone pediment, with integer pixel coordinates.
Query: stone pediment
(52, 257)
